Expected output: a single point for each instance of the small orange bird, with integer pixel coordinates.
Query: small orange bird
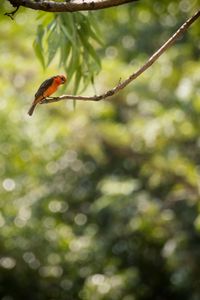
(47, 88)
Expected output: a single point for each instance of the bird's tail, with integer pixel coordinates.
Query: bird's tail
(31, 110)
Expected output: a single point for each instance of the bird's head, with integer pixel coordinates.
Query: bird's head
(60, 79)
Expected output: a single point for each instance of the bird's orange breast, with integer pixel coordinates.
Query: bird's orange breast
(50, 90)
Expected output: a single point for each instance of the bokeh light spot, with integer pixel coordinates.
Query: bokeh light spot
(9, 184)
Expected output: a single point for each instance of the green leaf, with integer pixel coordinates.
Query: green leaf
(74, 104)
(78, 77)
(53, 44)
(40, 33)
(96, 37)
(71, 35)
(45, 18)
(39, 52)
(37, 45)
(52, 25)
(67, 34)
(73, 62)
(90, 50)
(67, 21)
(94, 23)
(65, 49)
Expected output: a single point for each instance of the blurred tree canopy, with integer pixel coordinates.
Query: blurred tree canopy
(101, 203)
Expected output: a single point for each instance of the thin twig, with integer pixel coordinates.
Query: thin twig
(123, 84)
(12, 13)
(69, 6)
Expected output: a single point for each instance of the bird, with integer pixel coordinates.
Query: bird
(47, 88)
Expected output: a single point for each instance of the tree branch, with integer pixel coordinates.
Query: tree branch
(68, 6)
(123, 84)
(12, 13)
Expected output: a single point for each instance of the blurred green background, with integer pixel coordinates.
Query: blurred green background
(102, 203)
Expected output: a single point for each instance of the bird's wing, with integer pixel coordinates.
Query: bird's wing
(44, 86)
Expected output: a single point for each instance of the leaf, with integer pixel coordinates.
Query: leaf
(40, 33)
(52, 25)
(68, 22)
(74, 61)
(78, 77)
(90, 50)
(37, 45)
(65, 49)
(96, 37)
(67, 34)
(94, 23)
(45, 18)
(71, 35)
(39, 52)
(53, 44)
(74, 104)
